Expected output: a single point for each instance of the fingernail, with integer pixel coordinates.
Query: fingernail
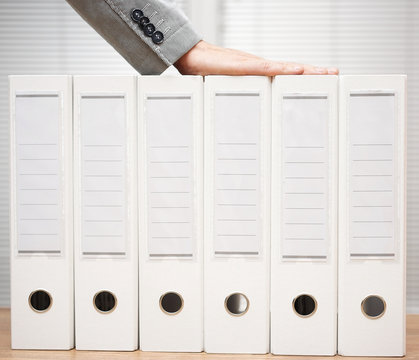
(298, 68)
(333, 70)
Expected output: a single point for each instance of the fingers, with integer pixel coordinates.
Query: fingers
(280, 68)
(315, 70)
(288, 68)
(333, 71)
(318, 70)
(262, 67)
(207, 59)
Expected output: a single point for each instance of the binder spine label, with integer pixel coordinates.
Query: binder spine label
(170, 176)
(103, 174)
(39, 177)
(372, 165)
(237, 167)
(305, 176)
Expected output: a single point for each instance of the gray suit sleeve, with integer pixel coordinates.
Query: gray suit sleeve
(149, 49)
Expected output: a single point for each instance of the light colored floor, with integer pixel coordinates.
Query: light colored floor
(7, 353)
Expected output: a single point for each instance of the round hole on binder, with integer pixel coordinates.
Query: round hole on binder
(236, 304)
(373, 307)
(304, 305)
(171, 303)
(104, 302)
(40, 301)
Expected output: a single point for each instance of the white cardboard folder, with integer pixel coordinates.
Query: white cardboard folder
(372, 216)
(41, 209)
(236, 227)
(171, 208)
(304, 215)
(106, 224)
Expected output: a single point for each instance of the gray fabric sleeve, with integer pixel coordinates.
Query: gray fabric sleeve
(112, 20)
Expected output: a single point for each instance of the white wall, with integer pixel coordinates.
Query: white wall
(358, 36)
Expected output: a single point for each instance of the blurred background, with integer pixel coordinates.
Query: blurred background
(357, 36)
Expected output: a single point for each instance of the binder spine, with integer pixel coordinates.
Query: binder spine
(237, 205)
(304, 216)
(41, 208)
(372, 158)
(171, 213)
(106, 224)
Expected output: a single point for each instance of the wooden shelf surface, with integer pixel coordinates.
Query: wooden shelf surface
(7, 353)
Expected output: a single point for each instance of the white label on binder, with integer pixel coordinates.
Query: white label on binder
(39, 204)
(103, 163)
(169, 131)
(237, 174)
(372, 146)
(305, 176)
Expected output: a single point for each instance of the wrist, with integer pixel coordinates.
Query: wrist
(188, 64)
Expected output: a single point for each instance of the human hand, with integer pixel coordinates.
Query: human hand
(208, 59)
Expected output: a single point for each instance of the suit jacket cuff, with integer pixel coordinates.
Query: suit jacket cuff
(184, 39)
(112, 20)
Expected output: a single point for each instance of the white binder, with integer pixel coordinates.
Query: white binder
(372, 216)
(237, 218)
(171, 207)
(304, 215)
(41, 209)
(105, 217)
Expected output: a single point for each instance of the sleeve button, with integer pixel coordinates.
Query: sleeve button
(149, 29)
(144, 20)
(157, 37)
(136, 14)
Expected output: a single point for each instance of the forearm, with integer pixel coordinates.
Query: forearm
(142, 48)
